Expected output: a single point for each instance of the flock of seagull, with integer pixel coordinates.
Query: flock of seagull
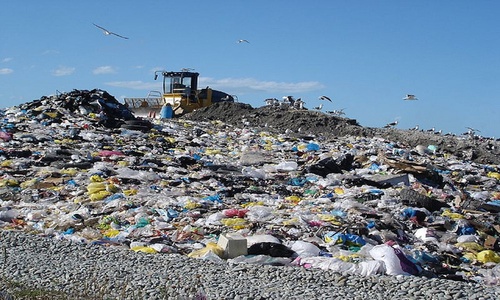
(109, 32)
(299, 104)
(290, 101)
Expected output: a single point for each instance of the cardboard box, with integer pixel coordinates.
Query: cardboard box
(234, 244)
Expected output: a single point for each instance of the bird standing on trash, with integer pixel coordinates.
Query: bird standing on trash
(389, 125)
(107, 32)
(336, 112)
(325, 98)
(319, 107)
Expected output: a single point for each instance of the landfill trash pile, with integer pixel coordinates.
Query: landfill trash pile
(214, 185)
(300, 123)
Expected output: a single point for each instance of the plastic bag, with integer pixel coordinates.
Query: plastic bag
(210, 247)
(488, 256)
(260, 213)
(371, 267)
(8, 215)
(391, 261)
(253, 172)
(260, 260)
(328, 263)
(426, 235)
(261, 238)
(287, 166)
(305, 249)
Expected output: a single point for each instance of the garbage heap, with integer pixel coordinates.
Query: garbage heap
(79, 166)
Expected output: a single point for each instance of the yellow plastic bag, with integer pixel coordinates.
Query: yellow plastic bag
(235, 223)
(51, 114)
(212, 151)
(29, 183)
(9, 182)
(470, 246)
(329, 218)
(6, 163)
(99, 195)
(495, 175)
(96, 178)
(250, 204)
(449, 214)
(130, 192)
(211, 246)
(294, 199)
(191, 205)
(292, 221)
(95, 187)
(339, 191)
(122, 163)
(111, 188)
(69, 171)
(488, 256)
(111, 233)
(144, 249)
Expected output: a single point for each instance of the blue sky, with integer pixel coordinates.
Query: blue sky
(364, 55)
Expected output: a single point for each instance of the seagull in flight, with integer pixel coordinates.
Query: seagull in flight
(107, 32)
(243, 41)
(472, 129)
(410, 97)
(325, 98)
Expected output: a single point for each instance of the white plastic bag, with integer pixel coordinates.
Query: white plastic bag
(305, 249)
(391, 261)
(261, 238)
(371, 267)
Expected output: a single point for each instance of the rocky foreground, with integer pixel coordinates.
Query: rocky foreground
(34, 267)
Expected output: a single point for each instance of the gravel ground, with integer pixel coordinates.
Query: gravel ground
(65, 270)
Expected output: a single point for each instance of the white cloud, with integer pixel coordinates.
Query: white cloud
(231, 85)
(136, 85)
(254, 85)
(104, 70)
(6, 71)
(63, 71)
(7, 59)
(49, 52)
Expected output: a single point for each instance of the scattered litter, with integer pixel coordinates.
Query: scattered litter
(81, 166)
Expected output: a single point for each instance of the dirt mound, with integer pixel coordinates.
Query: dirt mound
(302, 123)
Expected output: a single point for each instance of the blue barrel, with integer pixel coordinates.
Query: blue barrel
(167, 112)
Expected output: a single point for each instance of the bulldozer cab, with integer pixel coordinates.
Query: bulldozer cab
(182, 83)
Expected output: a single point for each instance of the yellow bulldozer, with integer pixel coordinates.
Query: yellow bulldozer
(180, 95)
